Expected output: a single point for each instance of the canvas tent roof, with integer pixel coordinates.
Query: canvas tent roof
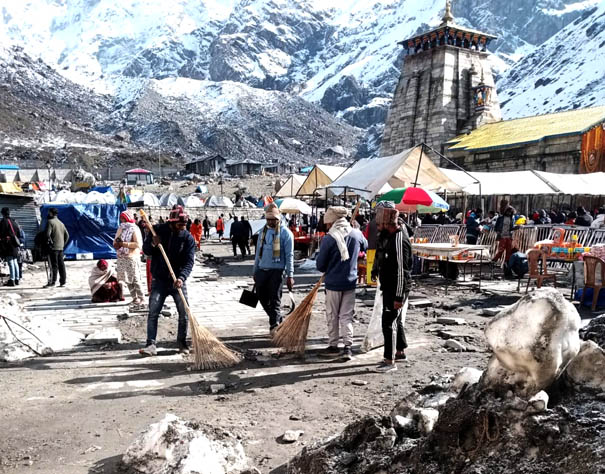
(218, 201)
(8, 176)
(27, 176)
(590, 183)
(372, 176)
(62, 174)
(291, 186)
(320, 176)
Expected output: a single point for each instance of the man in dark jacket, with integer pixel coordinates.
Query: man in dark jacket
(584, 218)
(237, 235)
(9, 245)
(504, 235)
(57, 236)
(473, 227)
(393, 268)
(180, 249)
(337, 258)
(248, 233)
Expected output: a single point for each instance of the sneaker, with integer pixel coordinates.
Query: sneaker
(400, 356)
(183, 348)
(49, 285)
(347, 353)
(16, 282)
(330, 352)
(385, 367)
(148, 351)
(62, 284)
(9, 283)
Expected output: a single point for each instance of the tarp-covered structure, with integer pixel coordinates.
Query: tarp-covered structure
(10, 188)
(291, 187)
(319, 177)
(373, 176)
(91, 227)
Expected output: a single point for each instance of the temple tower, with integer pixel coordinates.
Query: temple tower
(446, 88)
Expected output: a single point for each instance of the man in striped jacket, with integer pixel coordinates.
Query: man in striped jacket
(394, 259)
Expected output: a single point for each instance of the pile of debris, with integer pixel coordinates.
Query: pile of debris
(595, 331)
(538, 407)
(23, 335)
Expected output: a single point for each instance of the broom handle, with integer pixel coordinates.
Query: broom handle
(355, 211)
(163, 252)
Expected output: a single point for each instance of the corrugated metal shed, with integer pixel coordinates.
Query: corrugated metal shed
(25, 211)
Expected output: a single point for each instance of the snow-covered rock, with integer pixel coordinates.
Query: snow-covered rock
(532, 342)
(466, 376)
(173, 446)
(587, 369)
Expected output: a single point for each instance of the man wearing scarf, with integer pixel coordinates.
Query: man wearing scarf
(337, 258)
(180, 249)
(128, 243)
(393, 268)
(274, 256)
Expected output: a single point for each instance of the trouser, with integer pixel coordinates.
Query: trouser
(471, 239)
(206, 234)
(148, 273)
(238, 242)
(160, 290)
(389, 316)
(505, 246)
(13, 268)
(517, 263)
(340, 309)
(370, 255)
(269, 290)
(57, 265)
(247, 243)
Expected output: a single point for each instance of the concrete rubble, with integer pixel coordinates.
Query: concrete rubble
(174, 446)
(533, 410)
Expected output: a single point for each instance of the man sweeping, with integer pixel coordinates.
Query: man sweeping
(274, 256)
(180, 249)
(337, 258)
(393, 268)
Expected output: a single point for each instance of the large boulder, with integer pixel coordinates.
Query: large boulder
(587, 369)
(532, 343)
(173, 446)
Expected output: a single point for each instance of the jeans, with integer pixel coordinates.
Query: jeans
(389, 316)
(13, 268)
(57, 265)
(160, 290)
(269, 290)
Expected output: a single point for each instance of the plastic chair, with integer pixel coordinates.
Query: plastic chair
(590, 277)
(538, 269)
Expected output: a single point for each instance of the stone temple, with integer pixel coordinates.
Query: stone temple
(446, 98)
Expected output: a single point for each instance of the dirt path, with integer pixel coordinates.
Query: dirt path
(77, 412)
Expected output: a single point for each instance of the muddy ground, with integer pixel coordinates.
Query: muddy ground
(77, 412)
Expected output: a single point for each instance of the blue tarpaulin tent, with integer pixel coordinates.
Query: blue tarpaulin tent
(91, 227)
(103, 189)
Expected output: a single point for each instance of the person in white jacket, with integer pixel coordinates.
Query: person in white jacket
(599, 222)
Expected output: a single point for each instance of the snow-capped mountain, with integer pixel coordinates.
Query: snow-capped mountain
(342, 55)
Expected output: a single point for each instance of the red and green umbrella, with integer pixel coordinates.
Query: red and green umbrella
(415, 199)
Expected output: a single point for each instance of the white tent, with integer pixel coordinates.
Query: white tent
(192, 201)
(95, 197)
(218, 201)
(291, 186)
(590, 183)
(320, 176)
(169, 200)
(372, 176)
(150, 200)
(502, 183)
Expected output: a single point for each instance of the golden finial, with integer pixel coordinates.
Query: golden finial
(447, 16)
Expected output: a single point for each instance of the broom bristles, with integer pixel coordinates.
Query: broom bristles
(208, 351)
(292, 333)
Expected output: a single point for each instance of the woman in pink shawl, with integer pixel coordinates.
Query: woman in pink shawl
(128, 244)
(103, 282)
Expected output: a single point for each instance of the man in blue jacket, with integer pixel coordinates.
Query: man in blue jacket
(337, 258)
(180, 249)
(274, 257)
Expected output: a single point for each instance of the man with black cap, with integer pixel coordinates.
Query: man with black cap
(179, 246)
(9, 245)
(57, 236)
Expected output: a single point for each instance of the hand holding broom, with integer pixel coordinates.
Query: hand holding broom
(209, 352)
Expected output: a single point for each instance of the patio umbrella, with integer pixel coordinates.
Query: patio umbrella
(415, 199)
(293, 206)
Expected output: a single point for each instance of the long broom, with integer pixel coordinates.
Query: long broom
(208, 351)
(292, 333)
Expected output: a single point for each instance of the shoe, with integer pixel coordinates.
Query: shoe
(347, 353)
(330, 352)
(183, 348)
(400, 356)
(148, 351)
(385, 367)
(49, 285)
(10, 283)
(62, 284)
(16, 282)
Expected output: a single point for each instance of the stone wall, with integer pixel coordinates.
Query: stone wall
(555, 155)
(433, 100)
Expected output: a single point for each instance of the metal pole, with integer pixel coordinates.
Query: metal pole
(419, 161)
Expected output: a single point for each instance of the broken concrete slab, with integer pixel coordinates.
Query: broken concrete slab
(291, 436)
(104, 336)
(359, 383)
(420, 303)
(454, 346)
(216, 388)
(448, 321)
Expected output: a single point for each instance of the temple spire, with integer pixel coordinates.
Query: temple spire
(447, 16)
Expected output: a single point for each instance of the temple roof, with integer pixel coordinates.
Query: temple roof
(521, 131)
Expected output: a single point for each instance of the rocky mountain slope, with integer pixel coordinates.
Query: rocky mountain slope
(342, 56)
